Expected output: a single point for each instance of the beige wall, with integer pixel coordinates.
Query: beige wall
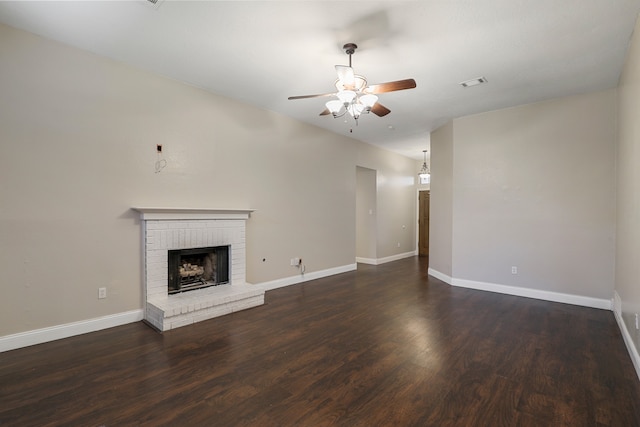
(628, 188)
(441, 200)
(396, 178)
(366, 213)
(78, 135)
(533, 187)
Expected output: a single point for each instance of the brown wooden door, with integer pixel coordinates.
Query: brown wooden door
(423, 223)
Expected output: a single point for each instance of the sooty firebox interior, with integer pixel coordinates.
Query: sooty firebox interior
(197, 268)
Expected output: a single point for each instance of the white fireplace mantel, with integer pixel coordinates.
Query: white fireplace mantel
(166, 229)
(161, 214)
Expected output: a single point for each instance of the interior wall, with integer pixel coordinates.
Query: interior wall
(533, 187)
(627, 285)
(441, 200)
(78, 137)
(395, 199)
(366, 212)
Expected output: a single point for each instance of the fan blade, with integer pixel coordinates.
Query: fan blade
(391, 86)
(380, 110)
(310, 96)
(326, 112)
(346, 76)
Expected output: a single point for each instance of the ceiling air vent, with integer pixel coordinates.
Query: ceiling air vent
(153, 3)
(473, 82)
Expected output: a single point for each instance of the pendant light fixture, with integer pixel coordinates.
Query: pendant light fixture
(424, 174)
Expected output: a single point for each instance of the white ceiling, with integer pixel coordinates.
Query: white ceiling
(261, 52)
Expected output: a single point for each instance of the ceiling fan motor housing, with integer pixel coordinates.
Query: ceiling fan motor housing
(350, 48)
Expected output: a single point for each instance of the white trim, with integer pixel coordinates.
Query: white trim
(604, 304)
(397, 257)
(160, 214)
(39, 336)
(378, 261)
(370, 261)
(628, 341)
(439, 276)
(287, 281)
(617, 303)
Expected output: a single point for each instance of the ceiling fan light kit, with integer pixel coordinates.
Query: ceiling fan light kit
(352, 102)
(353, 96)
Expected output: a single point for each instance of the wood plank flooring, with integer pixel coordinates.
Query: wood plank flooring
(383, 346)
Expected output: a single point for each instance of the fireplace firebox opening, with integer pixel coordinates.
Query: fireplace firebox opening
(197, 268)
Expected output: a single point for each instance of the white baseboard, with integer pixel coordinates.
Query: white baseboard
(628, 341)
(439, 276)
(604, 304)
(39, 336)
(370, 261)
(378, 261)
(287, 281)
(397, 257)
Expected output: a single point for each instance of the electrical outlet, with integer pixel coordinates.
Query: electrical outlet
(159, 148)
(398, 244)
(514, 270)
(637, 322)
(102, 293)
(295, 262)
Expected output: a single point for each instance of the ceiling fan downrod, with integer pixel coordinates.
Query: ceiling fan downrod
(350, 49)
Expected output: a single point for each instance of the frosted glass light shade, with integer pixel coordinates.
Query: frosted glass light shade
(356, 109)
(346, 96)
(368, 100)
(334, 106)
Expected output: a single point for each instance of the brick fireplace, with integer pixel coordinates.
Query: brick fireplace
(168, 229)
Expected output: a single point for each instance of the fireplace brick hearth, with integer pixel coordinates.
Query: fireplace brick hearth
(167, 229)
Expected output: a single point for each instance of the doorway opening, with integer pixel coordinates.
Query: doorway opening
(366, 216)
(423, 223)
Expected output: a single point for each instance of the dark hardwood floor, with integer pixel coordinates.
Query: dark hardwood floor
(383, 346)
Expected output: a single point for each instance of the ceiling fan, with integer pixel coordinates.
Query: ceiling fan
(353, 95)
